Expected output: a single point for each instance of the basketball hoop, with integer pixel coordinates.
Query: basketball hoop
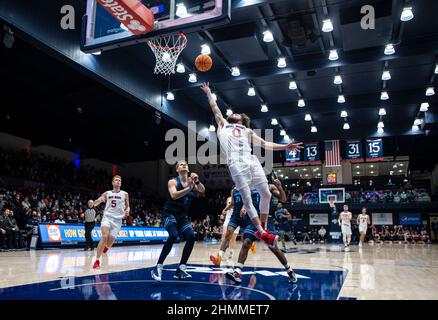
(167, 50)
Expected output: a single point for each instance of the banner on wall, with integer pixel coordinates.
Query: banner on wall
(293, 157)
(317, 219)
(374, 148)
(312, 153)
(353, 151)
(410, 218)
(65, 234)
(381, 219)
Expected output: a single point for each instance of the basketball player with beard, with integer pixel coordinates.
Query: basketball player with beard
(235, 137)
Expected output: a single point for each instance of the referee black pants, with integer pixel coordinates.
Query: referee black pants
(89, 226)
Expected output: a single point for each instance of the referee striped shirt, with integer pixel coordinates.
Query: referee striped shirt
(90, 215)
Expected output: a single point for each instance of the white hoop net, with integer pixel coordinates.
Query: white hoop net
(167, 50)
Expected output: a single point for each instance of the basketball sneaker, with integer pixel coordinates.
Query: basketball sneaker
(105, 250)
(96, 264)
(253, 248)
(235, 276)
(269, 239)
(156, 273)
(347, 248)
(292, 277)
(181, 274)
(360, 244)
(216, 260)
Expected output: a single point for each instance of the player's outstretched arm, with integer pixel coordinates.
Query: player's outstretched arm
(274, 146)
(205, 87)
(101, 199)
(127, 207)
(278, 191)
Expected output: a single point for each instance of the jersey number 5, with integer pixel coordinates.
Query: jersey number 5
(113, 203)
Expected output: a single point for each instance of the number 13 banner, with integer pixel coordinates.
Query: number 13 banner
(374, 149)
(311, 153)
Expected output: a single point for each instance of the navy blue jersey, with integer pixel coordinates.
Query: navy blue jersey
(280, 215)
(181, 205)
(238, 202)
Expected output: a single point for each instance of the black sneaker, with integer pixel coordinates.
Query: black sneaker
(181, 275)
(234, 276)
(292, 277)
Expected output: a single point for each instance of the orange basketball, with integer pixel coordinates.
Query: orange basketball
(203, 63)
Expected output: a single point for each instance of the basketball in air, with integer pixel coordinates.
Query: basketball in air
(203, 63)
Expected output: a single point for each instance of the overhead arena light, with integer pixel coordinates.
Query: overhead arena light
(308, 117)
(346, 126)
(229, 112)
(327, 25)
(301, 103)
(180, 68)
(235, 72)
(192, 78)
(337, 79)
(251, 92)
(264, 108)
(384, 95)
(407, 14)
(281, 62)
(417, 122)
(382, 112)
(170, 96)
(212, 128)
(341, 98)
(424, 107)
(313, 129)
(436, 69)
(430, 91)
(344, 114)
(286, 137)
(380, 124)
(268, 36)
(333, 56)
(386, 75)
(181, 10)
(293, 85)
(205, 49)
(282, 132)
(97, 53)
(274, 122)
(415, 128)
(380, 130)
(389, 49)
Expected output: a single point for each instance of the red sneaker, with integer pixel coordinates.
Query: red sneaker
(105, 250)
(269, 239)
(216, 260)
(96, 264)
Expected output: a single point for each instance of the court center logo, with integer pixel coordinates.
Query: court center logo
(54, 233)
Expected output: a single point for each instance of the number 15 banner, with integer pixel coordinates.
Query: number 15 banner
(374, 149)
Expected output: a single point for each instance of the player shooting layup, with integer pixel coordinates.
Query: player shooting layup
(246, 171)
(116, 208)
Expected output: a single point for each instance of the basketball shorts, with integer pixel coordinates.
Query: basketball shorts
(245, 224)
(181, 221)
(112, 223)
(363, 228)
(346, 230)
(226, 222)
(247, 172)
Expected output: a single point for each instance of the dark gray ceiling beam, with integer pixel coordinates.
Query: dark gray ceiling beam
(428, 45)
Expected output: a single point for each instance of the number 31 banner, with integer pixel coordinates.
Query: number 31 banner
(353, 151)
(374, 149)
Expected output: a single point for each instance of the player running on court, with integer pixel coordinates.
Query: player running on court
(345, 223)
(116, 209)
(363, 220)
(175, 217)
(235, 138)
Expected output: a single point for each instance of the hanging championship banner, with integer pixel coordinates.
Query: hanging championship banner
(374, 149)
(353, 151)
(293, 157)
(311, 153)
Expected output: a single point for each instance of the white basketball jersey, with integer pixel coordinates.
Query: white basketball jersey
(115, 204)
(229, 213)
(363, 219)
(235, 142)
(344, 219)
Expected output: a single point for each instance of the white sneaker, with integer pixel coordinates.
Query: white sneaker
(360, 244)
(157, 272)
(347, 249)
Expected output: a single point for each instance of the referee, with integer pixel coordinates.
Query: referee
(90, 220)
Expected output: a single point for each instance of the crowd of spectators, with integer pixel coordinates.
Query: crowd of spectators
(398, 233)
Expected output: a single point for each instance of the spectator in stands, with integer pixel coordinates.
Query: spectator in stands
(322, 232)
(60, 219)
(12, 230)
(2, 231)
(2, 202)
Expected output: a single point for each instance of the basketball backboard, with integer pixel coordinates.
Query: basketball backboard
(101, 31)
(335, 194)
